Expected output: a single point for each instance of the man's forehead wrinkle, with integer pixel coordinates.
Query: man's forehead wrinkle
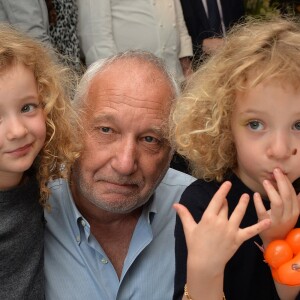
(140, 71)
(117, 98)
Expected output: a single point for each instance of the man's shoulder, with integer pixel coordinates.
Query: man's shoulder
(173, 185)
(177, 178)
(57, 185)
(59, 189)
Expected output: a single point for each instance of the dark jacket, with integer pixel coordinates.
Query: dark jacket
(197, 22)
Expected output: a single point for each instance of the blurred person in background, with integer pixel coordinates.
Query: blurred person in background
(109, 26)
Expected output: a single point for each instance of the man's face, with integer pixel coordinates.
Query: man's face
(125, 154)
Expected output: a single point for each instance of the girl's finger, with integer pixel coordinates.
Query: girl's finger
(186, 218)
(259, 207)
(239, 211)
(219, 198)
(285, 190)
(275, 199)
(251, 231)
(223, 212)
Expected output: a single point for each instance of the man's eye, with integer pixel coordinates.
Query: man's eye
(29, 108)
(151, 139)
(105, 129)
(255, 125)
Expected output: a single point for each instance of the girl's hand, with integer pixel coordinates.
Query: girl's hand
(284, 210)
(214, 240)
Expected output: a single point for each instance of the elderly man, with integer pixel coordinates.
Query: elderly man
(109, 234)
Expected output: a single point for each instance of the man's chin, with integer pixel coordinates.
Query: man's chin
(119, 203)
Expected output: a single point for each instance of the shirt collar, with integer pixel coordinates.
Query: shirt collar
(150, 209)
(81, 225)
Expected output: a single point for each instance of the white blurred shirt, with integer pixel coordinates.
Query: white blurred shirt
(107, 27)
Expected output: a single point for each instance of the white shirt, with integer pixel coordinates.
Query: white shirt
(107, 27)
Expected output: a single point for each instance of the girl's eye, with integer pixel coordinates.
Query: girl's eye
(297, 125)
(29, 108)
(255, 125)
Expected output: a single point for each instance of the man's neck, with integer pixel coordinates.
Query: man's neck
(112, 230)
(114, 236)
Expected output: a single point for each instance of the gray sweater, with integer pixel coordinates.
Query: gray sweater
(21, 243)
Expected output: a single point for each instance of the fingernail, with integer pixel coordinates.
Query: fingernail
(278, 171)
(266, 181)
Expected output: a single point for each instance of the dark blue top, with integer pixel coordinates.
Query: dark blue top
(247, 276)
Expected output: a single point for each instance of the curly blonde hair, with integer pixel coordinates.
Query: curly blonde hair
(55, 84)
(252, 52)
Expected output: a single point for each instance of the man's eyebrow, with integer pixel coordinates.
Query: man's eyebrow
(156, 129)
(161, 131)
(103, 117)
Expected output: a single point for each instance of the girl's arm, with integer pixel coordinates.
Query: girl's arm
(217, 238)
(284, 214)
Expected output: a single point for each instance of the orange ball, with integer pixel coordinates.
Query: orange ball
(277, 253)
(293, 239)
(289, 272)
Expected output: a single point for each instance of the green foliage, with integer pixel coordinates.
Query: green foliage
(270, 8)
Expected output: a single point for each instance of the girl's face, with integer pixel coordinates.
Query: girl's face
(22, 124)
(266, 131)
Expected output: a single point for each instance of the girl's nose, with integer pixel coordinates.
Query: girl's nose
(15, 128)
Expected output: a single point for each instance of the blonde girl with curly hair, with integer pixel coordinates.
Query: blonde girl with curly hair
(36, 145)
(238, 124)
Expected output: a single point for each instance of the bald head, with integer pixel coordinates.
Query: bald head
(128, 63)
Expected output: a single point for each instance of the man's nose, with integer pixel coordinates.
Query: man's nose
(125, 158)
